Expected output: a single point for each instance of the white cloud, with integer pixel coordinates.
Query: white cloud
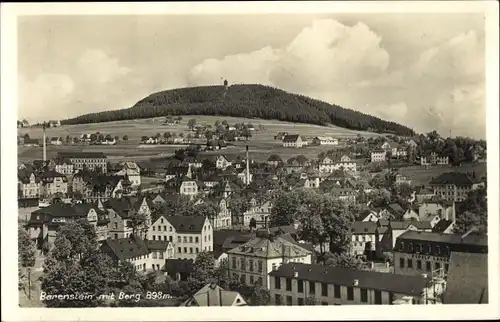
(96, 66)
(45, 96)
(348, 66)
(248, 68)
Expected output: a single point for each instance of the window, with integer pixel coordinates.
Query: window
(116, 236)
(170, 228)
(197, 250)
(312, 288)
(179, 240)
(171, 238)
(428, 266)
(402, 262)
(190, 239)
(115, 225)
(288, 284)
(243, 266)
(438, 265)
(197, 239)
(324, 289)
(165, 238)
(260, 266)
(288, 300)
(234, 262)
(190, 250)
(259, 281)
(364, 295)
(300, 286)
(419, 264)
(446, 266)
(410, 263)
(185, 249)
(205, 237)
(242, 278)
(154, 228)
(336, 291)
(250, 265)
(184, 240)
(159, 228)
(154, 237)
(277, 299)
(161, 255)
(155, 255)
(300, 301)
(350, 293)
(378, 297)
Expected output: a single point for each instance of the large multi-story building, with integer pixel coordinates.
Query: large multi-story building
(434, 159)
(254, 260)
(333, 163)
(29, 184)
(378, 155)
(299, 283)
(90, 160)
(64, 166)
(53, 183)
(454, 185)
(189, 235)
(419, 252)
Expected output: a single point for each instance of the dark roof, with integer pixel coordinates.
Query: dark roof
(467, 281)
(124, 248)
(157, 244)
(174, 266)
(122, 207)
(187, 224)
(67, 210)
(441, 226)
(363, 227)
(291, 138)
(456, 178)
(470, 239)
(31, 141)
(274, 157)
(401, 284)
(288, 229)
(220, 236)
(81, 155)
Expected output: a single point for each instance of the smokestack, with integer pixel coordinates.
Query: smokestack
(44, 143)
(248, 168)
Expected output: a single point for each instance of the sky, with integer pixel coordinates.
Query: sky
(426, 71)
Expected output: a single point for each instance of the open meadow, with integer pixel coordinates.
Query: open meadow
(261, 145)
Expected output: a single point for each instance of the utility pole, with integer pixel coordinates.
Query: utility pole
(29, 283)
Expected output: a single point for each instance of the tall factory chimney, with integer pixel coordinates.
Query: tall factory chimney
(44, 143)
(248, 168)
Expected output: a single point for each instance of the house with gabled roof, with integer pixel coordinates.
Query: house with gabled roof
(142, 254)
(214, 295)
(56, 141)
(335, 162)
(293, 141)
(223, 217)
(325, 140)
(280, 136)
(189, 235)
(253, 261)
(121, 211)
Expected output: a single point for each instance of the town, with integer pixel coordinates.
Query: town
(384, 219)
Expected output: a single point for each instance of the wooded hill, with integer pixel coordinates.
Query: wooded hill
(251, 101)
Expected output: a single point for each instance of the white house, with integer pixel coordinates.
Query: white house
(325, 140)
(222, 162)
(190, 235)
(378, 155)
(293, 141)
(133, 176)
(330, 164)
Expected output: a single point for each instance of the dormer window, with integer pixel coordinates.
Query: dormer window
(410, 247)
(402, 246)
(429, 249)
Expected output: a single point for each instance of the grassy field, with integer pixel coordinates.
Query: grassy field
(261, 145)
(422, 176)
